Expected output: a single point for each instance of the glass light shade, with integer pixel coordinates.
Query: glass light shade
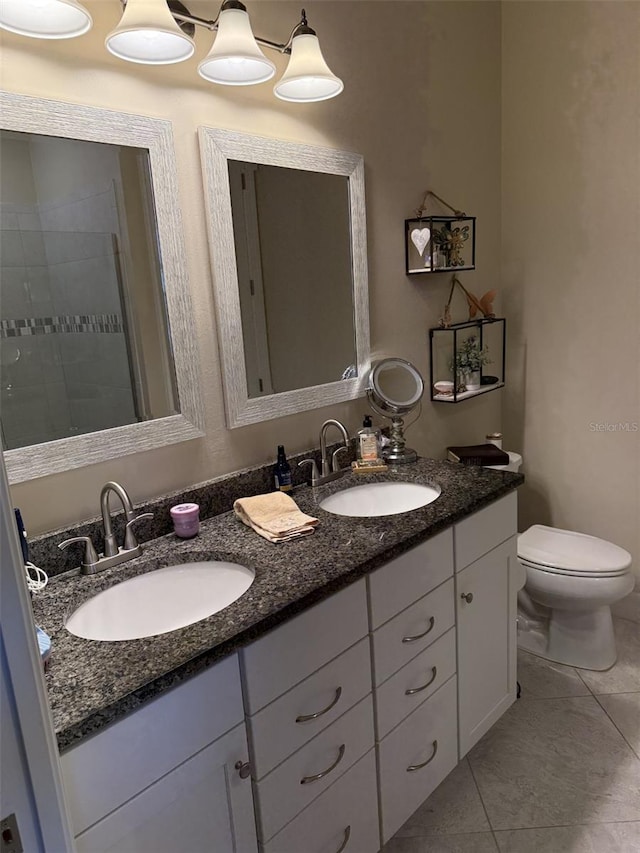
(45, 19)
(308, 77)
(148, 33)
(235, 58)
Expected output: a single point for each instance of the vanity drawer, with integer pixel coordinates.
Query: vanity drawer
(276, 731)
(424, 674)
(288, 654)
(482, 531)
(347, 810)
(104, 771)
(402, 581)
(281, 795)
(408, 633)
(428, 738)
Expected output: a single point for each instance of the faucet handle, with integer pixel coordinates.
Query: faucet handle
(90, 556)
(130, 540)
(315, 476)
(335, 465)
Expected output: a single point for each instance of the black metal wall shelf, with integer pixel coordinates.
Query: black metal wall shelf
(436, 244)
(467, 359)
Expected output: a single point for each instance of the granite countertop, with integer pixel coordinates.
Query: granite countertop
(93, 683)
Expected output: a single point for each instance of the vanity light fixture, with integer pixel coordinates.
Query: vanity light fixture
(149, 34)
(45, 19)
(160, 32)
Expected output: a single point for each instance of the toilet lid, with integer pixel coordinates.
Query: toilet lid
(566, 551)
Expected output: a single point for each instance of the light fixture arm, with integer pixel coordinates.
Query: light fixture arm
(183, 16)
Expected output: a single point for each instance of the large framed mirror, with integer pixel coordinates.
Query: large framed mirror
(97, 357)
(287, 235)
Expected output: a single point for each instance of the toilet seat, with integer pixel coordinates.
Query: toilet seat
(565, 552)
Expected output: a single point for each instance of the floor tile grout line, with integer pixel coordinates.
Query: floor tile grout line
(620, 693)
(475, 782)
(617, 727)
(577, 671)
(563, 825)
(528, 696)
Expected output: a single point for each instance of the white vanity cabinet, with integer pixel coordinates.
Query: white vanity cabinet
(486, 581)
(355, 711)
(164, 778)
(412, 609)
(310, 721)
(443, 630)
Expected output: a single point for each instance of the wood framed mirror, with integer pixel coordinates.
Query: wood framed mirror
(287, 236)
(98, 357)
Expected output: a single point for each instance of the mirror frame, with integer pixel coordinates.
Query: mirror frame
(73, 121)
(216, 148)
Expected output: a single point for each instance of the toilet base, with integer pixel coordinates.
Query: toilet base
(583, 639)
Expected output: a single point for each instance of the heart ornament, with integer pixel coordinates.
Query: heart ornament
(420, 238)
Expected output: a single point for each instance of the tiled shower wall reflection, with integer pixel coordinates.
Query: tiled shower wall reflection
(64, 363)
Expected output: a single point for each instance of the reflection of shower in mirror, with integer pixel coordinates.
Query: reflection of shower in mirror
(395, 389)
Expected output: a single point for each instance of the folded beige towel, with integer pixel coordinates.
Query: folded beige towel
(275, 516)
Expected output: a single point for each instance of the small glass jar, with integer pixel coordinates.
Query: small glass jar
(495, 438)
(186, 520)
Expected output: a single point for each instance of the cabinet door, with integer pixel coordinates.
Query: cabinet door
(486, 593)
(203, 805)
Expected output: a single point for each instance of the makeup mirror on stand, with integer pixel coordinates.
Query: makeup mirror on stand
(395, 389)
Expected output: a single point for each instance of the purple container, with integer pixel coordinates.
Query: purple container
(186, 520)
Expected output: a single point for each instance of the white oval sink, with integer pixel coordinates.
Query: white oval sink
(160, 601)
(371, 499)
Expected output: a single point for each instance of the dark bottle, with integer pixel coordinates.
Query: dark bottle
(282, 472)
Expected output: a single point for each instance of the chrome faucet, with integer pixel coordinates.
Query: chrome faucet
(329, 470)
(113, 554)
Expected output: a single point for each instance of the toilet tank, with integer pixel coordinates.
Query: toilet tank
(515, 461)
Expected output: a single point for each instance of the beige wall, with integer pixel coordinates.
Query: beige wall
(571, 250)
(422, 107)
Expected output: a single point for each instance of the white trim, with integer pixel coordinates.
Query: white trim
(29, 690)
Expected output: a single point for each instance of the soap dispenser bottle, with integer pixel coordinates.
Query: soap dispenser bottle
(367, 445)
(282, 472)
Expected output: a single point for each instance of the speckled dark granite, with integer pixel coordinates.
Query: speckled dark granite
(95, 683)
(214, 497)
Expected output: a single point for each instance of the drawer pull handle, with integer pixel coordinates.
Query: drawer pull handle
(414, 690)
(432, 622)
(306, 779)
(304, 718)
(413, 767)
(345, 840)
(468, 596)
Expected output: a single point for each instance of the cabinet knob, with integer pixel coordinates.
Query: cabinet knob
(468, 596)
(243, 768)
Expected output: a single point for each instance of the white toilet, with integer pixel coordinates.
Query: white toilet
(572, 579)
(565, 607)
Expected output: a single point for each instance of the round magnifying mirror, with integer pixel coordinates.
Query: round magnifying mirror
(395, 389)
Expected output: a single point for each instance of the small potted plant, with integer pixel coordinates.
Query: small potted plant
(468, 362)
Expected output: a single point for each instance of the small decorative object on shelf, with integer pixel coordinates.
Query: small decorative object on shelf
(439, 243)
(460, 352)
(484, 304)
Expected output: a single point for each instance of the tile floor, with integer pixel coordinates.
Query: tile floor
(559, 773)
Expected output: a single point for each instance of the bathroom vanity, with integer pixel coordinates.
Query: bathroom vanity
(323, 732)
